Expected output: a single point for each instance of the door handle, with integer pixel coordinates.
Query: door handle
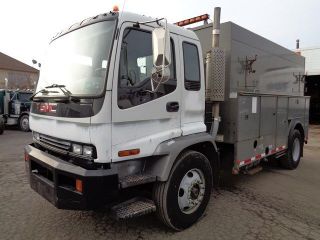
(172, 107)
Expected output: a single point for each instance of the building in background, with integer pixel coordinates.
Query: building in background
(16, 75)
(312, 81)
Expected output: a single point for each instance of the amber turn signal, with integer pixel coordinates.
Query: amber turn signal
(79, 185)
(130, 152)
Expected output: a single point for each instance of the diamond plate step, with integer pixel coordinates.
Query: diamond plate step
(133, 208)
(134, 180)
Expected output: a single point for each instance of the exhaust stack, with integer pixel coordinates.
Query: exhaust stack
(216, 28)
(215, 76)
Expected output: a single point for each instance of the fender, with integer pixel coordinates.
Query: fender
(296, 123)
(169, 150)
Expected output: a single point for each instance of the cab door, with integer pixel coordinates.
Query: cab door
(141, 118)
(193, 100)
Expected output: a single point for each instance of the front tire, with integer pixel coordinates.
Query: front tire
(183, 198)
(293, 155)
(24, 123)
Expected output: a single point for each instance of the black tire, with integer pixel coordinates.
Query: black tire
(1, 125)
(293, 155)
(24, 123)
(165, 194)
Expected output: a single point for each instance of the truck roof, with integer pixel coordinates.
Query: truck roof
(132, 17)
(124, 17)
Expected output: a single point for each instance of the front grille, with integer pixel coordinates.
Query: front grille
(55, 142)
(59, 146)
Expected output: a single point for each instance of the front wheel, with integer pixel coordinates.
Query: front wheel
(293, 155)
(24, 123)
(182, 200)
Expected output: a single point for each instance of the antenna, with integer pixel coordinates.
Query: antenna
(124, 3)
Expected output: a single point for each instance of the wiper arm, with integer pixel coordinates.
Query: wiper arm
(45, 91)
(63, 89)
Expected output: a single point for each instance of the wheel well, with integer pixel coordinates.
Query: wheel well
(301, 130)
(23, 114)
(209, 150)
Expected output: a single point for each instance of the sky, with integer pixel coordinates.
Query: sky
(26, 26)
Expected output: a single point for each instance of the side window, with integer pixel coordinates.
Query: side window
(136, 63)
(191, 67)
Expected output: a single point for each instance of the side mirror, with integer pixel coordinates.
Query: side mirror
(161, 57)
(161, 47)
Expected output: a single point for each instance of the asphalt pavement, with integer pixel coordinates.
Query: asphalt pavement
(273, 204)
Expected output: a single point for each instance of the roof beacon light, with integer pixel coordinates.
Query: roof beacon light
(189, 21)
(115, 8)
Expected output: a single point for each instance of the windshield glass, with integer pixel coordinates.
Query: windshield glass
(79, 60)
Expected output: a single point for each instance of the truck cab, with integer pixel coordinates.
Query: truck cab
(112, 131)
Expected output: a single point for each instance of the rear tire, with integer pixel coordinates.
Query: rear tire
(293, 155)
(183, 198)
(24, 123)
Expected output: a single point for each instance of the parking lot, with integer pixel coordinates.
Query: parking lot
(273, 204)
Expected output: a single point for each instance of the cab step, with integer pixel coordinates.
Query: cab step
(134, 207)
(254, 170)
(135, 180)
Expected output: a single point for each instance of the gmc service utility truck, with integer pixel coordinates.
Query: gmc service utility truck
(126, 102)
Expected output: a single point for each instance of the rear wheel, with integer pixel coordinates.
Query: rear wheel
(182, 200)
(292, 157)
(24, 123)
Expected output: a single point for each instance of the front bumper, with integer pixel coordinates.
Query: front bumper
(55, 180)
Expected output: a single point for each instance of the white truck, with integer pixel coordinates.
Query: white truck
(127, 103)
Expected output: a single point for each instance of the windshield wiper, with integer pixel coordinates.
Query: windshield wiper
(44, 91)
(65, 91)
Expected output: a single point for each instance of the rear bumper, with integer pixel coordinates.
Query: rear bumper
(55, 180)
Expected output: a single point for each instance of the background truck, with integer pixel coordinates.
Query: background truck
(15, 107)
(144, 115)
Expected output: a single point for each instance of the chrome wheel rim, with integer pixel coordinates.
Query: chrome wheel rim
(25, 123)
(191, 191)
(296, 150)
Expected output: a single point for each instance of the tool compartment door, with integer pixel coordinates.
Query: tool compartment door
(268, 120)
(282, 121)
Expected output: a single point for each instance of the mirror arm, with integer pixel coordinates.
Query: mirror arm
(137, 24)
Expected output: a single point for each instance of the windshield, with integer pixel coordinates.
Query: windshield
(79, 60)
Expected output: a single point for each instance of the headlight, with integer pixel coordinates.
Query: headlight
(76, 148)
(36, 136)
(87, 150)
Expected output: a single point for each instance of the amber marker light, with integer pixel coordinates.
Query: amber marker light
(115, 8)
(130, 152)
(79, 185)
